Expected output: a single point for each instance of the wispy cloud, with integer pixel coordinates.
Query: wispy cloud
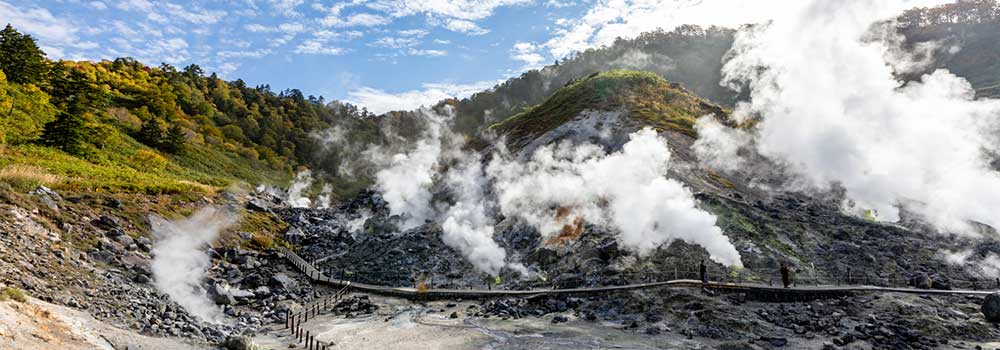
(380, 101)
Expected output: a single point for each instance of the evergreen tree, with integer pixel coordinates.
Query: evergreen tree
(174, 140)
(151, 134)
(20, 57)
(66, 133)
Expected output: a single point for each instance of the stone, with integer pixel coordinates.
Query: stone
(106, 222)
(220, 295)
(991, 308)
(921, 281)
(238, 343)
(257, 205)
(48, 197)
(453, 315)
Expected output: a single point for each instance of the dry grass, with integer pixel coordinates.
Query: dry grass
(13, 294)
(21, 173)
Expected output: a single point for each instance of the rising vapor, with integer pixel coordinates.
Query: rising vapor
(625, 190)
(180, 261)
(833, 113)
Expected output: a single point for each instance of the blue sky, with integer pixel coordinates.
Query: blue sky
(383, 54)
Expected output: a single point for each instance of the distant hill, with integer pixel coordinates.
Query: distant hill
(648, 99)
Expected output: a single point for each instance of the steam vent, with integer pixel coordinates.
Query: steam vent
(499, 175)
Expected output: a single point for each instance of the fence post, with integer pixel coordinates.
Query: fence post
(308, 340)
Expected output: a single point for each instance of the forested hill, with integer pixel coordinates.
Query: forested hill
(121, 125)
(124, 126)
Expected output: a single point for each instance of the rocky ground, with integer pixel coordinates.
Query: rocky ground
(93, 253)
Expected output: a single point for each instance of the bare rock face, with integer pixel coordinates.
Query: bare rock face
(991, 308)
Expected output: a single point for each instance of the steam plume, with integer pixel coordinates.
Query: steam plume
(296, 197)
(833, 114)
(625, 190)
(179, 259)
(405, 178)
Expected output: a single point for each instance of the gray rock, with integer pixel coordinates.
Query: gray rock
(238, 343)
(220, 295)
(48, 197)
(991, 307)
(257, 205)
(106, 222)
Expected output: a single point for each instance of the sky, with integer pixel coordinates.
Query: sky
(381, 54)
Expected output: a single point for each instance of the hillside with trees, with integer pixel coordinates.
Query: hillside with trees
(128, 126)
(123, 125)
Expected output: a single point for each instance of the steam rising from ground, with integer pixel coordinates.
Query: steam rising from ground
(624, 190)
(405, 178)
(467, 227)
(296, 192)
(180, 262)
(833, 113)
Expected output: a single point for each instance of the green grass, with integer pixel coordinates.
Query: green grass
(13, 294)
(647, 97)
(124, 165)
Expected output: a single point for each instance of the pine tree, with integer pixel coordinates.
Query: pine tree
(66, 133)
(174, 141)
(20, 57)
(151, 134)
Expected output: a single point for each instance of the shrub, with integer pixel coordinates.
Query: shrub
(262, 241)
(14, 294)
(148, 160)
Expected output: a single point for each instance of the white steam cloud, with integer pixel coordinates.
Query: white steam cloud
(467, 227)
(296, 192)
(180, 261)
(405, 178)
(625, 190)
(834, 114)
(558, 187)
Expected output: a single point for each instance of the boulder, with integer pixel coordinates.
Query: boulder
(991, 308)
(48, 197)
(235, 342)
(921, 281)
(282, 283)
(220, 295)
(106, 222)
(257, 205)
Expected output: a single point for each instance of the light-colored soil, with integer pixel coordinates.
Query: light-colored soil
(37, 325)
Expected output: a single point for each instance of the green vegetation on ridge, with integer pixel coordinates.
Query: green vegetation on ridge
(647, 97)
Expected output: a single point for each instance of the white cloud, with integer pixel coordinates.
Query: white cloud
(286, 7)
(459, 9)
(53, 32)
(317, 47)
(395, 43)
(380, 101)
(97, 5)
(333, 36)
(291, 28)
(414, 32)
(244, 54)
(525, 52)
(355, 20)
(194, 15)
(137, 5)
(426, 52)
(463, 26)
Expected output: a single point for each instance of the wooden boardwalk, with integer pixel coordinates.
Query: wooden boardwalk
(767, 291)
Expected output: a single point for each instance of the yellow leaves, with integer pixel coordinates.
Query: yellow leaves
(145, 160)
